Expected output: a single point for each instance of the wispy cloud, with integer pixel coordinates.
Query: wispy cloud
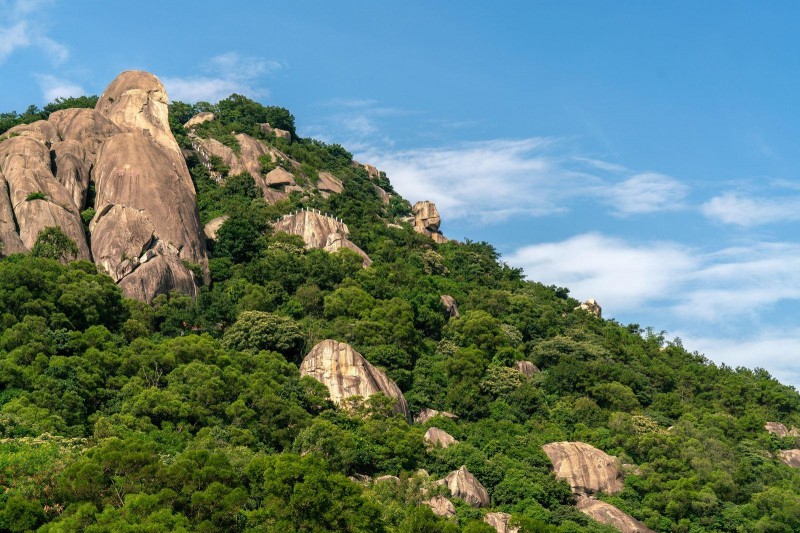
(649, 192)
(225, 74)
(53, 87)
(746, 211)
(25, 27)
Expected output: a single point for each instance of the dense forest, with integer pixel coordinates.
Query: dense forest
(190, 414)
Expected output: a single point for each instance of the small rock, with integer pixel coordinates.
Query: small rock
(500, 521)
(200, 118)
(450, 306)
(464, 485)
(213, 226)
(439, 437)
(426, 414)
(441, 506)
(605, 513)
(526, 368)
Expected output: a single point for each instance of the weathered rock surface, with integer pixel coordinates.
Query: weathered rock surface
(776, 428)
(592, 307)
(281, 134)
(500, 521)
(25, 165)
(526, 368)
(462, 484)
(605, 513)
(586, 469)
(427, 221)
(346, 373)
(441, 506)
(383, 195)
(320, 232)
(450, 306)
(381, 479)
(426, 414)
(790, 457)
(41, 130)
(212, 227)
(200, 118)
(439, 437)
(328, 183)
(372, 171)
(279, 177)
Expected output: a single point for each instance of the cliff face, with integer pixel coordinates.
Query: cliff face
(586, 469)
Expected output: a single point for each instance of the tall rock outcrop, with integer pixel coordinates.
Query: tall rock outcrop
(427, 221)
(586, 469)
(320, 232)
(605, 513)
(346, 373)
(462, 484)
(146, 224)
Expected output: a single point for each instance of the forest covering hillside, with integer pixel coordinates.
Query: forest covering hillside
(190, 414)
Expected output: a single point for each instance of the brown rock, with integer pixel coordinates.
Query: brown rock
(200, 118)
(328, 183)
(346, 373)
(26, 167)
(426, 414)
(427, 221)
(281, 134)
(160, 271)
(383, 195)
(320, 232)
(500, 521)
(278, 177)
(372, 171)
(441, 506)
(210, 230)
(72, 169)
(41, 130)
(121, 237)
(776, 428)
(526, 367)
(450, 306)
(592, 306)
(439, 437)
(9, 238)
(86, 126)
(790, 458)
(464, 485)
(606, 513)
(587, 469)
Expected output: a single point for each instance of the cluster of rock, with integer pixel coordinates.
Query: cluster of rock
(588, 472)
(146, 226)
(320, 232)
(787, 457)
(427, 221)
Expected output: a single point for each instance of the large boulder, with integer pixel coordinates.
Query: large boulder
(592, 307)
(279, 133)
(605, 513)
(450, 306)
(427, 220)
(200, 118)
(500, 521)
(439, 437)
(441, 506)
(346, 373)
(462, 484)
(526, 368)
(790, 458)
(328, 183)
(776, 428)
(212, 227)
(586, 469)
(320, 232)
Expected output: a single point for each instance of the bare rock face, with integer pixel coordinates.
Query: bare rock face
(592, 307)
(427, 221)
(439, 437)
(200, 118)
(526, 368)
(279, 177)
(320, 232)
(346, 373)
(790, 458)
(464, 485)
(372, 171)
(210, 230)
(441, 506)
(279, 133)
(328, 183)
(32, 198)
(586, 469)
(776, 428)
(450, 306)
(605, 513)
(426, 414)
(41, 130)
(500, 521)
(382, 194)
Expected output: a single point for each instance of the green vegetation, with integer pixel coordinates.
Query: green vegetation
(190, 414)
(36, 195)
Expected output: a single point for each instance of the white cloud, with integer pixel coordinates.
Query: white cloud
(648, 192)
(27, 27)
(227, 73)
(743, 210)
(53, 87)
(620, 275)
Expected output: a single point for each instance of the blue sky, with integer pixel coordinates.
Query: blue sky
(641, 153)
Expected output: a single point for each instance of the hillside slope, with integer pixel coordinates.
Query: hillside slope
(265, 378)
